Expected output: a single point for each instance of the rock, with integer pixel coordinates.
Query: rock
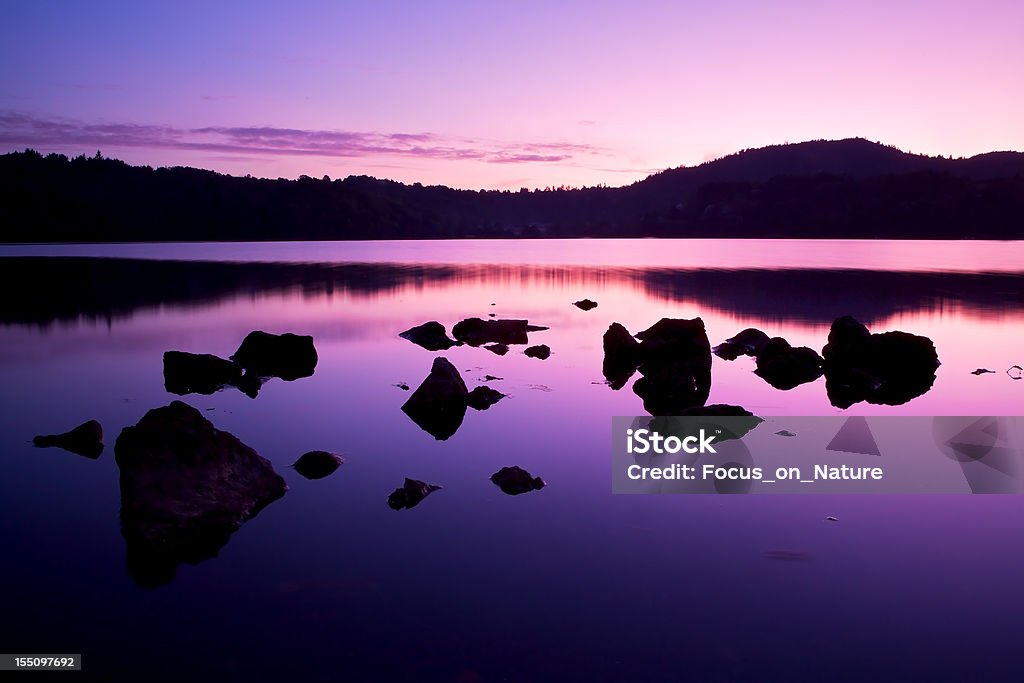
(476, 331)
(983, 371)
(430, 335)
(86, 440)
(745, 343)
(439, 404)
(785, 367)
(410, 494)
(621, 355)
(831, 519)
(185, 488)
(541, 351)
(498, 349)
(585, 304)
(725, 421)
(491, 378)
(675, 361)
(515, 480)
(288, 356)
(785, 432)
(198, 373)
(718, 410)
(482, 398)
(317, 464)
(890, 368)
(403, 386)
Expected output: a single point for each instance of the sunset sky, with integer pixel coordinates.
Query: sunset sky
(503, 95)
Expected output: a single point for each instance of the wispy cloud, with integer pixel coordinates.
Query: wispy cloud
(19, 129)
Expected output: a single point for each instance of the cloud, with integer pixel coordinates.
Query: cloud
(60, 133)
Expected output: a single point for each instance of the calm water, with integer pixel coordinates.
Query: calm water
(568, 583)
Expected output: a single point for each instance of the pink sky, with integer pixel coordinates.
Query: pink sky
(479, 95)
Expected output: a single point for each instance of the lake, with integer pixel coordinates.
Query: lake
(567, 583)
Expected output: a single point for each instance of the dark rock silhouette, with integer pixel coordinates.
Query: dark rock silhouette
(185, 488)
(621, 355)
(890, 368)
(198, 373)
(430, 335)
(723, 420)
(410, 494)
(748, 342)
(515, 480)
(785, 367)
(585, 304)
(675, 361)
(541, 351)
(317, 464)
(483, 397)
(476, 331)
(86, 440)
(983, 371)
(288, 356)
(497, 349)
(718, 410)
(438, 405)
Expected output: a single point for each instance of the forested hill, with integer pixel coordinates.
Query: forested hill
(846, 188)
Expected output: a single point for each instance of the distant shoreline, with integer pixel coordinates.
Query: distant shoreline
(845, 189)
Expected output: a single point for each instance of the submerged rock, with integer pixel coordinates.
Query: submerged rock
(430, 335)
(86, 440)
(198, 373)
(288, 356)
(621, 355)
(786, 367)
(723, 420)
(515, 480)
(497, 349)
(318, 464)
(476, 331)
(983, 371)
(541, 351)
(410, 494)
(585, 304)
(890, 368)
(482, 398)
(745, 343)
(439, 404)
(185, 488)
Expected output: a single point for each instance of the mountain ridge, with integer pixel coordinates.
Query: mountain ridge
(822, 188)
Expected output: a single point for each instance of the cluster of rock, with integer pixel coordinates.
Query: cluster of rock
(511, 480)
(494, 335)
(260, 357)
(439, 404)
(674, 358)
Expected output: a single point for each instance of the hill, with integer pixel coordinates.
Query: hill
(846, 188)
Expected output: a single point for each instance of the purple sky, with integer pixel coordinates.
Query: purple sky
(480, 94)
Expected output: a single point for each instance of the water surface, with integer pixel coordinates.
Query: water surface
(568, 583)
